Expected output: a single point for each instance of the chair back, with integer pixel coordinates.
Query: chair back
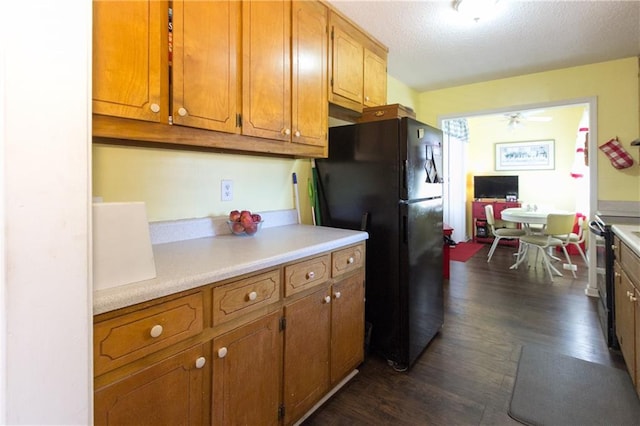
(560, 223)
(488, 211)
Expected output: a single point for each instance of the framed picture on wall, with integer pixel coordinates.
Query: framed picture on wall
(528, 155)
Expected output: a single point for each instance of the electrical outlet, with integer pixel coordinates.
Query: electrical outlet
(226, 190)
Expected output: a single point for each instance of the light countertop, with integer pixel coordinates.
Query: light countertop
(184, 265)
(630, 234)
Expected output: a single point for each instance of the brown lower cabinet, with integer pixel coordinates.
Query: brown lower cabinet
(234, 352)
(168, 392)
(246, 374)
(627, 307)
(306, 353)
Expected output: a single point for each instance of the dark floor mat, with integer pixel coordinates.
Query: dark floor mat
(554, 389)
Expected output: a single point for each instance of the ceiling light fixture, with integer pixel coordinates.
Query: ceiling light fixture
(475, 9)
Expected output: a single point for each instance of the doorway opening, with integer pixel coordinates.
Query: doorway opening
(470, 147)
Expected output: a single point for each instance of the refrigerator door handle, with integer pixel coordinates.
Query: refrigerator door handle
(405, 230)
(364, 222)
(405, 167)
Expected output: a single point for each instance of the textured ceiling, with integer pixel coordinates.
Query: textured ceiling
(431, 46)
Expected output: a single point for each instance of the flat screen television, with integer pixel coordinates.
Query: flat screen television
(495, 187)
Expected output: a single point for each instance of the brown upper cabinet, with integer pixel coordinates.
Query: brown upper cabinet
(206, 64)
(243, 76)
(130, 62)
(285, 71)
(358, 67)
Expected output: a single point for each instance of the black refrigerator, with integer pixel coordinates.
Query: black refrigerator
(385, 177)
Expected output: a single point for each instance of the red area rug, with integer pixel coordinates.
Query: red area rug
(465, 251)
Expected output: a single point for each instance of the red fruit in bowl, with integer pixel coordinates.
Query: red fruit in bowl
(251, 229)
(234, 216)
(244, 213)
(246, 221)
(237, 227)
(256, 218)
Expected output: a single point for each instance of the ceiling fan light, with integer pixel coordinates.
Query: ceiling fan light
(475, 9)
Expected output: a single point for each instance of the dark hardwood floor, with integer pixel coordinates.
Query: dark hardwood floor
(466, 374)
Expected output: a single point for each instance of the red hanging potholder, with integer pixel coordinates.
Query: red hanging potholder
(619, 157)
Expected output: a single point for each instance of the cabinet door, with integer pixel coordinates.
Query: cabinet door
(347, 326)
(130, 62)
(625, 318)
(167, 393)
(347, 61)
(306, 353)
(247, 374)
(266, 69)
(206, 64)
(375, 79)
(310, 108)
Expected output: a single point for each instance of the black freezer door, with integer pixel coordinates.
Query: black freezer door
(421, 160)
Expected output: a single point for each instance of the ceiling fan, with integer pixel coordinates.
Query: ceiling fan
(517, 119)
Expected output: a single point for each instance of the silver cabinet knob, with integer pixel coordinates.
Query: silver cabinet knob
(154, 108)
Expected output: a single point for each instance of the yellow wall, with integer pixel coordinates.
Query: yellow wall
(186, 184)
(614, 83)
(400, 93)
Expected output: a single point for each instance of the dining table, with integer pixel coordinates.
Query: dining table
(527, 216)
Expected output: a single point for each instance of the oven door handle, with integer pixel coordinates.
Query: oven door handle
(597, 228)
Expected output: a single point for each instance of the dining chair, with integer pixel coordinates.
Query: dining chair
(558, 224)
(499, 233)
(577, 239)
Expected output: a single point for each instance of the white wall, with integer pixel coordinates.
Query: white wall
(46, 321)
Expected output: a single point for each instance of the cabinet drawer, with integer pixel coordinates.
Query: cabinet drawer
(240, 297)
(126, 338)
(477, 210)
(303, 275)
(347, 260)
